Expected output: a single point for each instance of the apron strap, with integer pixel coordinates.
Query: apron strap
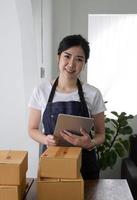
(84, 108)
(53, 90)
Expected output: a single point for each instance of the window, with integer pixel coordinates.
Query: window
(113, 59)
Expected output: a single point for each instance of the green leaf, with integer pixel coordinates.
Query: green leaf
(107, 120)
(126, 130)
(108, 137)
(106, 143)
(130, 117)
(101, 148)
(108, 159)
(112, 158)
(115, 113)
(107, 130)
(122, 121)
(120, 139)
(119, 149)
(125, 144)
(123, 114)
(114, 122)
(104, 161)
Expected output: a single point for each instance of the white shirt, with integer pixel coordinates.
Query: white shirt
(93, 97)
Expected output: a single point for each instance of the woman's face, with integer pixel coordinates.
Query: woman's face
(71, 62)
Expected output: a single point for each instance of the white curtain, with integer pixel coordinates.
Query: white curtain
(113, 60)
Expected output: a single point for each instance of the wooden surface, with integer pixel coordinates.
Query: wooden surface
(102, 189)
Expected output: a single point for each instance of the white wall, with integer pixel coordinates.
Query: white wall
(18, 75)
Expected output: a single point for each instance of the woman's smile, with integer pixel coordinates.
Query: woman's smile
(70, 69)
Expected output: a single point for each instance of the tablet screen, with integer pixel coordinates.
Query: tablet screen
(73, 124)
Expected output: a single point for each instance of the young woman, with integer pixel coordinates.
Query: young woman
(68, 95)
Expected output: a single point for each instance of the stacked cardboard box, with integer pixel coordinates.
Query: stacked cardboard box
(13, 168)
(59, 174)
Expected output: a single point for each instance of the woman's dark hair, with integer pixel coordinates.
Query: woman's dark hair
(74, 40)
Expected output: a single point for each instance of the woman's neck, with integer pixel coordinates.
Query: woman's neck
(66, 85)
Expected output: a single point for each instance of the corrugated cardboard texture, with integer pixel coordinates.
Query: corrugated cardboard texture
(60, 162)
(60, 189)
(13, 192)
(13, 167)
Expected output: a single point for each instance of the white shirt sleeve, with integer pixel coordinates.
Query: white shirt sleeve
(98, 104)
(35, 100)
(94, 99)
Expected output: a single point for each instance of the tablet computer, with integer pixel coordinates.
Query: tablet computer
(73, 124)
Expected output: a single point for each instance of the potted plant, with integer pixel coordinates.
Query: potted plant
(116, 143)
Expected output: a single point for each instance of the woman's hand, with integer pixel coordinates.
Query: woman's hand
(83, 141)
(34, 131)
(49, 140)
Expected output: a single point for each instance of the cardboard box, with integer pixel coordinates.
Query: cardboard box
(62, 189)
(13, 192)
(60, 162)
(13, 167)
